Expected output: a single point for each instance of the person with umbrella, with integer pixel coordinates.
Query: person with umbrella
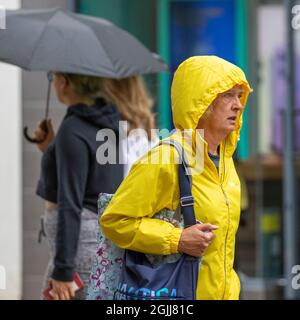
(71, 178)
(96, 68)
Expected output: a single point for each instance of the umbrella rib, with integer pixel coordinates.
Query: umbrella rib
(103, 48)
(72, 15)
(42, 33)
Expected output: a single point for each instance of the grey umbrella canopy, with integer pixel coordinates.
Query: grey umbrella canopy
(56, 40)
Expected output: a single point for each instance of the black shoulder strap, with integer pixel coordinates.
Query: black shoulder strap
(185, 185)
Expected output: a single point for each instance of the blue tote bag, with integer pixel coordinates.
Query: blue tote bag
(142, 280)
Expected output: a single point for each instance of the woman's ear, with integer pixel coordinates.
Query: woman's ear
(63, 84)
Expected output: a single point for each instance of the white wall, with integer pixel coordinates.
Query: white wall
(10, 175)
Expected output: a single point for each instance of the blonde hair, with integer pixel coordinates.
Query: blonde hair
(208, 111)
(129, 95)
(132, 99)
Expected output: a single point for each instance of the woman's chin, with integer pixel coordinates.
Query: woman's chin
(229, 129)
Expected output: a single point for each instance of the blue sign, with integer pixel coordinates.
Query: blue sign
(202, 28)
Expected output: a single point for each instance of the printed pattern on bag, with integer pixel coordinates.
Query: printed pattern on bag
(107, 263)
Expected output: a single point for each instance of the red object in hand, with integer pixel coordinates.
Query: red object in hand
(77, 285)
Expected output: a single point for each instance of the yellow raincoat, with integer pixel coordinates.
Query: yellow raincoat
(151, 187)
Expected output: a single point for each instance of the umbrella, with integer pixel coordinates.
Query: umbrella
(62, 41)
(57, 40)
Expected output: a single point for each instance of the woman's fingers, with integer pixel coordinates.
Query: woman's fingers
(49, 125)
(45, 134)
(62, 290)
(39, 134)
(51, 132)
(196, 239)
(71, 291)
(206, 227)
(62, 296)
(208, 236)
(45, 125)
(54, 295)
(66, 295)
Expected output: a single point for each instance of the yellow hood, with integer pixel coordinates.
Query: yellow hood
(196, 84)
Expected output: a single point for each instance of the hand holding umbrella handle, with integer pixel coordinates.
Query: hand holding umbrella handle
(43, 126)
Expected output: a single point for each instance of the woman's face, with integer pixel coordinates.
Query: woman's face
(225, 111)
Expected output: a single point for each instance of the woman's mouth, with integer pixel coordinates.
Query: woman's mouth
(232, 118)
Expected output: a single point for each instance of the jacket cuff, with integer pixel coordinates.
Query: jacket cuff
(63, 274)
(174, 239)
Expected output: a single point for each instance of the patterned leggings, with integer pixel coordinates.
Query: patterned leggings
(86, 247)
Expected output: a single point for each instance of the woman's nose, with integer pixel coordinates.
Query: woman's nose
(237, 103)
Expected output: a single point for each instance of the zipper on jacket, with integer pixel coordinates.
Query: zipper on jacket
(221, 180)
(228, 220)
(228, 223)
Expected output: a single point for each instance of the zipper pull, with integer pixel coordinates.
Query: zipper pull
(226, 199)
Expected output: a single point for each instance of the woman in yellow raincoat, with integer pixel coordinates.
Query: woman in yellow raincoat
(207, 93)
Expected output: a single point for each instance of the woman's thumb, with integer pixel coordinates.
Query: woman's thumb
(207, 227)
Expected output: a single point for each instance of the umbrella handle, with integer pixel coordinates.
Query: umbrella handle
(43, 126)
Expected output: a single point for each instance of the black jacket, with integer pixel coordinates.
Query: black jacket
(72, 177)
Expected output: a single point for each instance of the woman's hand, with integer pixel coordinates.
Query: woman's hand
(196, 239)
(62, 290)
(40, 134)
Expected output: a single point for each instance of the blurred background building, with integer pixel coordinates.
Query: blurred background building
(249, 33)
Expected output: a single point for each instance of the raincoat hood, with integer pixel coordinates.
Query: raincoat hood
(197, 83)
(100, 114)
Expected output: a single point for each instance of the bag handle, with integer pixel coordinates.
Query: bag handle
(185, 185)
